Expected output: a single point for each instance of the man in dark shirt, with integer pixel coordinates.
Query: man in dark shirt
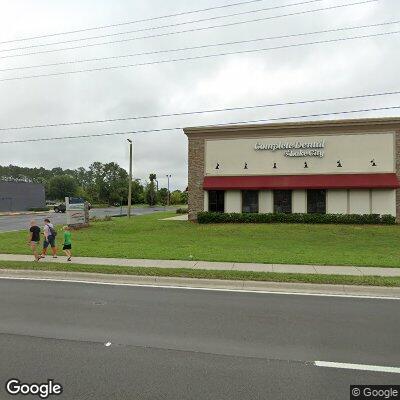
(34, 239)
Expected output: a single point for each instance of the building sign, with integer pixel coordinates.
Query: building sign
(76, 212)
(295, 149)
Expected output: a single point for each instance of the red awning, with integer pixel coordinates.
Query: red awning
(335, 181)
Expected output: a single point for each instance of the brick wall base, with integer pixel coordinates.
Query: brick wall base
(397, 155)
(196, 177)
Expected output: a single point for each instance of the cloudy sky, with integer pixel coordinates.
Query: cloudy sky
(362, 66)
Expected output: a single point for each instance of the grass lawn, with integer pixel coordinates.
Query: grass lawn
(148, 237)
(207, 274)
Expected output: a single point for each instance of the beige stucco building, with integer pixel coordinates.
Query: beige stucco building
(341, 166)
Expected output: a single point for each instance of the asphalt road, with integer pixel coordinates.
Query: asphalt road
(19, 222)
(191, 344)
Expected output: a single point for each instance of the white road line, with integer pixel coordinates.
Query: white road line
(146, 285)
(360, 367)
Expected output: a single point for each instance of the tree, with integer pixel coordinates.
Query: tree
(162, 196)
(62, 186)
(176, 197)
(137, 192)
(114, 184)
(151, 195)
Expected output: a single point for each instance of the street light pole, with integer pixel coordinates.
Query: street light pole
(130, 178)
(168, 176)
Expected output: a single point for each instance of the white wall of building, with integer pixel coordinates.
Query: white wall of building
(337, 202)
(383, 201)
(376, 201)
(299, 201)
(360, 201)
(266, 201)
(205, 200)
(233, 201)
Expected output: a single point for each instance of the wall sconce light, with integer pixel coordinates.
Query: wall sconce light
(217, 167)
(275, 167)
(339, 164)
(305, 164)
(245, 166)
(373, 163)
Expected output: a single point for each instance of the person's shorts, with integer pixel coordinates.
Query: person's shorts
(67, 247)
(51, 241)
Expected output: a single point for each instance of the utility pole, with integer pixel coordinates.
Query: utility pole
(168, 177)
(130, 179)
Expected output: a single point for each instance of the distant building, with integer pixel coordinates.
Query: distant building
(21, 196)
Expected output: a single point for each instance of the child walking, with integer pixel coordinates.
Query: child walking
(67, 242)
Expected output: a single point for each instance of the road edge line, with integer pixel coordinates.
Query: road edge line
(283, 288)
(359, 367)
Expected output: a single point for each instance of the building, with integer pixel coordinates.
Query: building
(21, 196)
(342, 167)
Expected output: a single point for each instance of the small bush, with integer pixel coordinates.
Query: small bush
(182, 211)
(107, 218)
(351, 219)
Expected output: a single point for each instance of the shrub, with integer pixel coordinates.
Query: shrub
(182, 211)
(107, 218)
(235, 218)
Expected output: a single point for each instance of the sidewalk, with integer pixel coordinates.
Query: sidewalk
(301, 269)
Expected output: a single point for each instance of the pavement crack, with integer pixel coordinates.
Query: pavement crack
(161, 348)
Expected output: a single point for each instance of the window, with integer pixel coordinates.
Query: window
(216, 201)
(283, 201)
(316, 201)
(250, 201)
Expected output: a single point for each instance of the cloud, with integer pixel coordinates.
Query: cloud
(336, 69)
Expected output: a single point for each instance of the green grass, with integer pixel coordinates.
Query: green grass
(208, 274)
(148, 237)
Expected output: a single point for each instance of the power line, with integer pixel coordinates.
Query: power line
(198, 57)
(170, 33)
(161, 27)
(200, 112)
(201, 46)
(148, 20)
(131, 22)
(215, 125)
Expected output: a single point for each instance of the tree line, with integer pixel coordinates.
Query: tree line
(101, 183)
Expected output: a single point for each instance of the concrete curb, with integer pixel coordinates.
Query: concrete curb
(212, 284)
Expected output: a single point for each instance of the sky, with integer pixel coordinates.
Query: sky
(346, 68)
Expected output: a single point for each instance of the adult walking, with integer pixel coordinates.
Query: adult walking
(34, 239)
(49, 239)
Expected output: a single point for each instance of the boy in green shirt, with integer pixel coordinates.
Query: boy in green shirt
(67, 242)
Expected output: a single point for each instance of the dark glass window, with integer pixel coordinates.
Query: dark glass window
(216, 201)
(283, 201)
(316, 201)
(250, 201)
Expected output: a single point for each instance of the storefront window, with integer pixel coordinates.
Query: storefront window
(283, 201)
(316, 201)
(216, 201)
(250, 201)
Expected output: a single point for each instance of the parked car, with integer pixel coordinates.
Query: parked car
(60, 208)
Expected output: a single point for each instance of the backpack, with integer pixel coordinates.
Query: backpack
(53, 232)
